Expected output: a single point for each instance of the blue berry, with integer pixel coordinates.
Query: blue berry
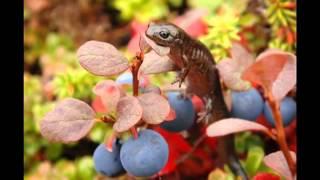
(288, 109)
(246, 104)
(146, 155)
(185, 113)
(108, 163)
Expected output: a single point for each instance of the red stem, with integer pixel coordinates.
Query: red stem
(281, 136)
(110, 140)
(135, 70)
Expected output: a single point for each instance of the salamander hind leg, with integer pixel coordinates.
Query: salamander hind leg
(206, 115)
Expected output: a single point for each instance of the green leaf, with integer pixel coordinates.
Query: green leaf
(290, 13)
(271, 10)
(210, 5)
(67, 168)
(85, 168)
(100, 132)
(219, 174)
(281, 18)
(176, 3)
(54, 151)
(254, 159)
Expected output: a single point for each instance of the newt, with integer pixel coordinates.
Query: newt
(196, 68)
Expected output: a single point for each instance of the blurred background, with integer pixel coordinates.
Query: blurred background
(54, 29)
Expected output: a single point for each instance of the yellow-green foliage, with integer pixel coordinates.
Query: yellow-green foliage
(223, 29)
(77, 83)
(142, 10)
(280, 17)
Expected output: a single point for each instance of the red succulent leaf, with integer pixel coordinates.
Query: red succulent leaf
(266, 176)
(177, 147)
(200, 163)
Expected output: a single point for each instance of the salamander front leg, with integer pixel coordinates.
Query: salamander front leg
(181, 76)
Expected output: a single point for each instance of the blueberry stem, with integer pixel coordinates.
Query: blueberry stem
(110, 141)
(281, 137)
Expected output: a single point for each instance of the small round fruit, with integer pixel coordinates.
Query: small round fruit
(288, 109)
(127, 79)
(108, 163)
(185, 113)
(146, 155)
(246, 104)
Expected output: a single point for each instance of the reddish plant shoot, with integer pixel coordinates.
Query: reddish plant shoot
(275, 71)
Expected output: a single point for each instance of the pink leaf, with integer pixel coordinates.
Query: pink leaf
(277, 162)
(109, 93)
(266, 69)
(287, 78)
(153, 64)
(136, 29)
(232, 69)
(68, 122)
(232, 125)
(155, 108)
(102, 59)
(129, 112)
(153, 89)
(160, 50)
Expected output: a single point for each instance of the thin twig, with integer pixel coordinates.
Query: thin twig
(135, 70)
(195, 146)
(281, 137)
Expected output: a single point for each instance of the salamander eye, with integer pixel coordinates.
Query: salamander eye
(164, 34)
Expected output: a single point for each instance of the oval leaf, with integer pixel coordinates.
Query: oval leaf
(153, 64)
(277, 162)
(153, 89)
(232, 69)
(109, 93)
(287, 78)
(102, 59)
(129, 112)
(266, 69)
(232, 125)
(155, 108)
(68, 122)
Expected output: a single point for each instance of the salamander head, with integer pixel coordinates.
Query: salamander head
(163, 34)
